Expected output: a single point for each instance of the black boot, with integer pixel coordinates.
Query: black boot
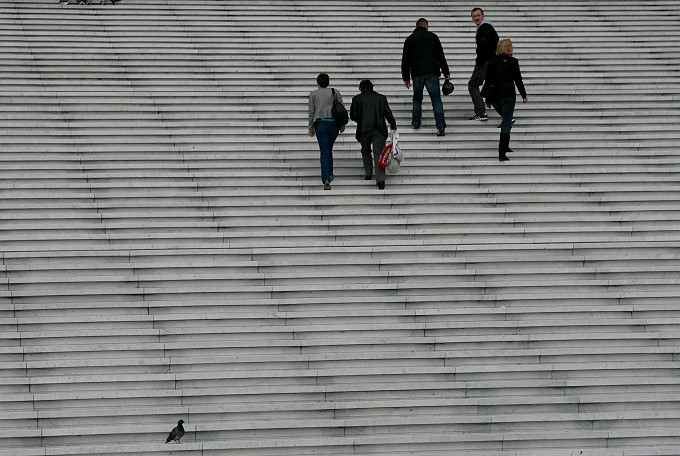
(503, 147)
(507, 143)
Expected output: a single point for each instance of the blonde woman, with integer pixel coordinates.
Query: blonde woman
(502, 76)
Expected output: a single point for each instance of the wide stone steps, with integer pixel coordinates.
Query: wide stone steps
(166, 250)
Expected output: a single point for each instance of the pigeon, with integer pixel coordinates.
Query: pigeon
(177, 433)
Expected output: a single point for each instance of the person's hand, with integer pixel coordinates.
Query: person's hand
(488, 105)
(311, 134)
(525, 100)
(342, 129)
(407, 84)
(448, 77)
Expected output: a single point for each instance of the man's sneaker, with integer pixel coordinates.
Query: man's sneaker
(326, 185)
(441, 132)
(415, 125)
(381, 185)
(481, 117)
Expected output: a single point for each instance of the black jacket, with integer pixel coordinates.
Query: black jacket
(487, 40)
(503, 74)
(423, 55)
(369, 110)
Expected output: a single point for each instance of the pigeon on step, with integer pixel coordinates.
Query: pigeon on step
(177, 433)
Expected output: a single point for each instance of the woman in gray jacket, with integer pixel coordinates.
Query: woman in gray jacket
(322, 125)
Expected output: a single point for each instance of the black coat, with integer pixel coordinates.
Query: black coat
(487, 41)
(502, 76)
(423, 55)
(369, 110)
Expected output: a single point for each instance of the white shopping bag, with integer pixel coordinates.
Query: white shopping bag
(397, 155)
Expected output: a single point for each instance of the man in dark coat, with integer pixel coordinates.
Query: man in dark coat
(422, 59)
(370, 110)
(487, 40)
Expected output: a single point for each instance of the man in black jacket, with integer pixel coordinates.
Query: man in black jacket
(369, 110)
(422, 59)
(487, 40)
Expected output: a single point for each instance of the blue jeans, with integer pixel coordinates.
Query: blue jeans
(431, 83)
(326, 134)
(506, 108)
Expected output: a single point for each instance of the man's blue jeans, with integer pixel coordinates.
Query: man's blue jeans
(431, 83)
(326, 134)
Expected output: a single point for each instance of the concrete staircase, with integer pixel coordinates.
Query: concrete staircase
(168, 251)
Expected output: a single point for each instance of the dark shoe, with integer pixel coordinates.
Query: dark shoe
(368, 178)
(332, 178)
(511, 123)
(441, 132)
(481, 117)
(327, 186)
(415, 125)
(504, 143)
(507, 149)
(381, 185)
(503, 146)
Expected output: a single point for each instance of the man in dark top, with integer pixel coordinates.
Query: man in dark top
(422, 59)
(487, 40)
(369, 110)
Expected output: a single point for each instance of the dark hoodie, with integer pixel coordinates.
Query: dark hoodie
(487, 40)
(423, 55)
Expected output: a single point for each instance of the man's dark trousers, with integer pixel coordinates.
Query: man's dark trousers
(373, 141)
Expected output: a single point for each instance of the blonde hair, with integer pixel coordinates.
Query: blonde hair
(504, 47)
